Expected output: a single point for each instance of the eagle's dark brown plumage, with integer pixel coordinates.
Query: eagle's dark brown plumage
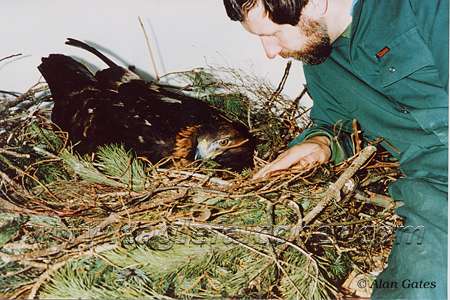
(114, 106)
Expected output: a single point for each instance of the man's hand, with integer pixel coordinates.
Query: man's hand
(315, 150)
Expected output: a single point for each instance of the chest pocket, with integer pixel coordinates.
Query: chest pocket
(406, 54)
(410, 79)
(408, 75)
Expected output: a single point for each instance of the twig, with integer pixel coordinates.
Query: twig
(282, 82)
(43, 277)
(41, 151)
(4, 177)
(23, 174)
(15, 154)
(197, 175)
(10, 56)
(299, 97)
(15, 94)
(91, 233)
(31, 91)
(277, 262)
(376, 199)
(297, 227)
(6, 205)
(120, 194)
(147, 41)
(14, 273)
(249, 117)
(17, 258)
(334, 189)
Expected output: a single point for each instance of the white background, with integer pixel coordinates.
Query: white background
(184, 34)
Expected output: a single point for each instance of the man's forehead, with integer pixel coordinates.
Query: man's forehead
(258, 22)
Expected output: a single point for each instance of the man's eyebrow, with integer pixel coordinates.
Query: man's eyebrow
(269, 34)
(266, 33)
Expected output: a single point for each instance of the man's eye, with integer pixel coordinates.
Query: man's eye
(278, 34)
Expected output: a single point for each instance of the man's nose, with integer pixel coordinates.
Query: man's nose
(271, 46)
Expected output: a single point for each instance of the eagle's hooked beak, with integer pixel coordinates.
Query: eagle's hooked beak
(203, 150)
(207, 149)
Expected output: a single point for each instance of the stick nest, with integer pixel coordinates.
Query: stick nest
(114, 225)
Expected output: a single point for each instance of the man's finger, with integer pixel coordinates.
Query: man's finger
(263, 172)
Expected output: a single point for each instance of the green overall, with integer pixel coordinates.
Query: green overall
(391, 74)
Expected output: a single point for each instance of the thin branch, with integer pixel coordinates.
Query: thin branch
(147, 41)
(282, 82)
(43, 277)
(15, 154)
(207, 178)
(16, 258)
(375, 199)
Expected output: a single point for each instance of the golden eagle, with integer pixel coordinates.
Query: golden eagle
(115, 106)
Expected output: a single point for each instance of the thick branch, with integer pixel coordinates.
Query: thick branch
(334, 190)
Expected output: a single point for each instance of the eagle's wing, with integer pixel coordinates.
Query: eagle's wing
(152, 123)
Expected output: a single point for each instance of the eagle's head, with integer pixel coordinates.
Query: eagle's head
(230, 144)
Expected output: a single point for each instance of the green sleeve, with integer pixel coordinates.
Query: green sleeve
(341, 144)
(328, 120)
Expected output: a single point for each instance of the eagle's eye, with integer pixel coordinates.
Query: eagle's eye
(224, 142)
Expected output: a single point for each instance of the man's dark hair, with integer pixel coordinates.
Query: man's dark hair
(279, 11)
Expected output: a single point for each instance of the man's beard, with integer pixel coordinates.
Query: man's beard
(318, 46)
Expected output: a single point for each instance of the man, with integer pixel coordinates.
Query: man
(384, 63)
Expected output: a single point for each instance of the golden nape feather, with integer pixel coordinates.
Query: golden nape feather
(115, 106)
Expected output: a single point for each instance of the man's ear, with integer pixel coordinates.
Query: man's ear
(315, 8)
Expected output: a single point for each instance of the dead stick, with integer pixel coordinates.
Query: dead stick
(335, 188)
(13, 258)
(214, 180)
(147, 41)
(43, 277)
(15, 154)
(376, 199)
(282, 82)
(5, 178)
(6, 205)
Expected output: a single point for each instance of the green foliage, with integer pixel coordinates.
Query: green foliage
(121, 165)
(232, 104)
(300, 281)
(45, 138)
(184, 271)
(10, 229)
(13, 276)
(83, 167)
(340, 264)
(96, 279)
(141, 272)
(114, 166)
(51, 172)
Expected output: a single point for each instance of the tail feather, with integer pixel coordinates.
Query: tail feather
(82, 45)
(111, 77)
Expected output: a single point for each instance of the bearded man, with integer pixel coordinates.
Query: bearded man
(384, 63)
